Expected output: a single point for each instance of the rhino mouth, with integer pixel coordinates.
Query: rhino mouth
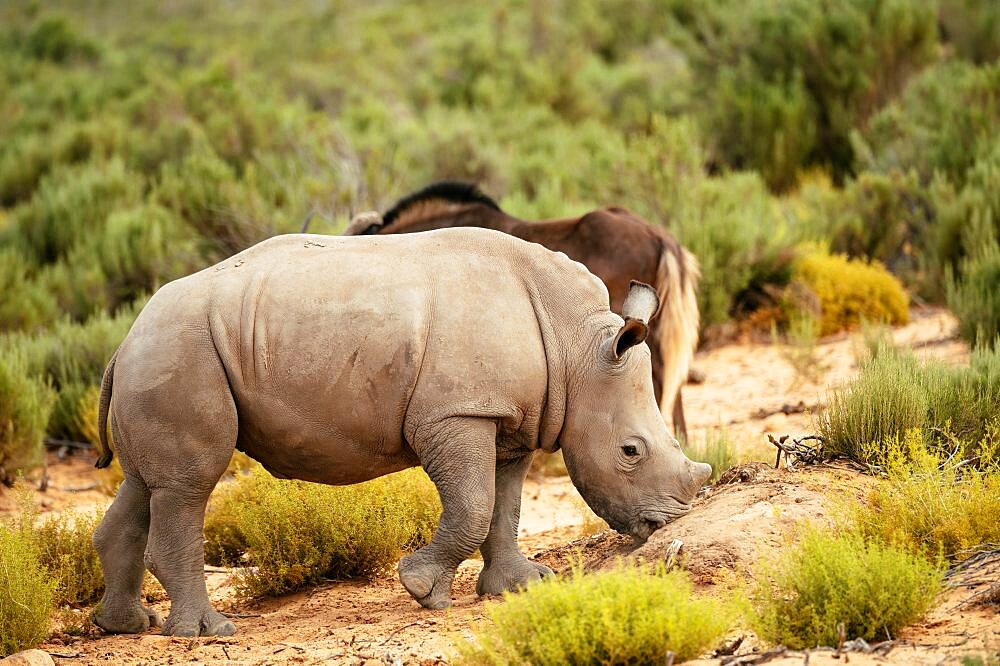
(651, 521)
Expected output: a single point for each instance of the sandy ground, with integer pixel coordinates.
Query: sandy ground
(377, 622)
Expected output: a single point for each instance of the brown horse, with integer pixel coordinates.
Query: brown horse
(615, 244)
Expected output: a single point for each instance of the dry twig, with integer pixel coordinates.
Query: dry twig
(796, 451)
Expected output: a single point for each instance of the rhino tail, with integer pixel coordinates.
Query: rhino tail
(102, 414)
(677, 278)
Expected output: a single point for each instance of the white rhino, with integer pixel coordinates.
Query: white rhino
(340, 359)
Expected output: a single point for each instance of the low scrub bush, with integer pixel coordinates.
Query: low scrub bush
(974, 297)
(800, 596)
(71, 358)
(629, 615)
(716, 449)
(850, 291)
(67, 553)
(27, 591)
(25, 407)
(932, 502)
(295, 533)
(894, 393)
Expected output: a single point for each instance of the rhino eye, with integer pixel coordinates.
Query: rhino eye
(630, 450)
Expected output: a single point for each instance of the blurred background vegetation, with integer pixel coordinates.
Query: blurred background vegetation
(141, 141)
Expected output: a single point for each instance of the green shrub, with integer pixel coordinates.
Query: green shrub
(733, 227)
(894, 393)
(784, 83)
(71, 357)
(850, 291)
(25, 406)
(801, 595)
(883, 217)
(296, 534)
(716, 449)
(975, 296)
(72, 203)
(629, 615)
(55, 39)
(930, 502)
(943, 121)
(26, 591)
(26, 305)
(972, 28)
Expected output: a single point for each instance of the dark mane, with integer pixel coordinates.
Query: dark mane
(454, 191)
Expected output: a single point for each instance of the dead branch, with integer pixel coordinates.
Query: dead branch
(796, 451)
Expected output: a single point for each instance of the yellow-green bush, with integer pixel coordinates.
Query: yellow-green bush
(629, 615)
(296, 533)
(66, 552)
(800, 595)
(26, 591)
(850, 291)
(930, 502)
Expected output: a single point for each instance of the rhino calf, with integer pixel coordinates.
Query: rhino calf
(340, 359)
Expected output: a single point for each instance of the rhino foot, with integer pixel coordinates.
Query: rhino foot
(427, 581)
(126, 619)
(500, 577)
(198, 623)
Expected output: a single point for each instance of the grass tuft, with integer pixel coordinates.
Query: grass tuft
(800, 596)
(894, 393)
(629, 615)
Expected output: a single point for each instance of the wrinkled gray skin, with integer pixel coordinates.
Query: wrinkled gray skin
(340, 359)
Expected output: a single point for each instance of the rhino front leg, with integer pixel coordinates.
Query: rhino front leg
(504, 566)
(459, 454)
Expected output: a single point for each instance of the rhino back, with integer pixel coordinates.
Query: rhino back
(337, 349)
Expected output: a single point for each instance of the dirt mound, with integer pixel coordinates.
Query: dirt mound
(726, 529)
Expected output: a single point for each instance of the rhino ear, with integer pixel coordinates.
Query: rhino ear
(365, 223)
(641, 304)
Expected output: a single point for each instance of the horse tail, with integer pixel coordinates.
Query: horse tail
(102, 414)
(677, 277)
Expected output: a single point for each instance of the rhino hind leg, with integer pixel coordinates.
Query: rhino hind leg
(459, 455)
(175, 555)
(504, 566)
(182, 433)
(120, 540)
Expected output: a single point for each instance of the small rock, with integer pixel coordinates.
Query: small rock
(28, 658)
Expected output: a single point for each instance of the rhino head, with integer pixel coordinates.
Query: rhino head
(627, 466)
